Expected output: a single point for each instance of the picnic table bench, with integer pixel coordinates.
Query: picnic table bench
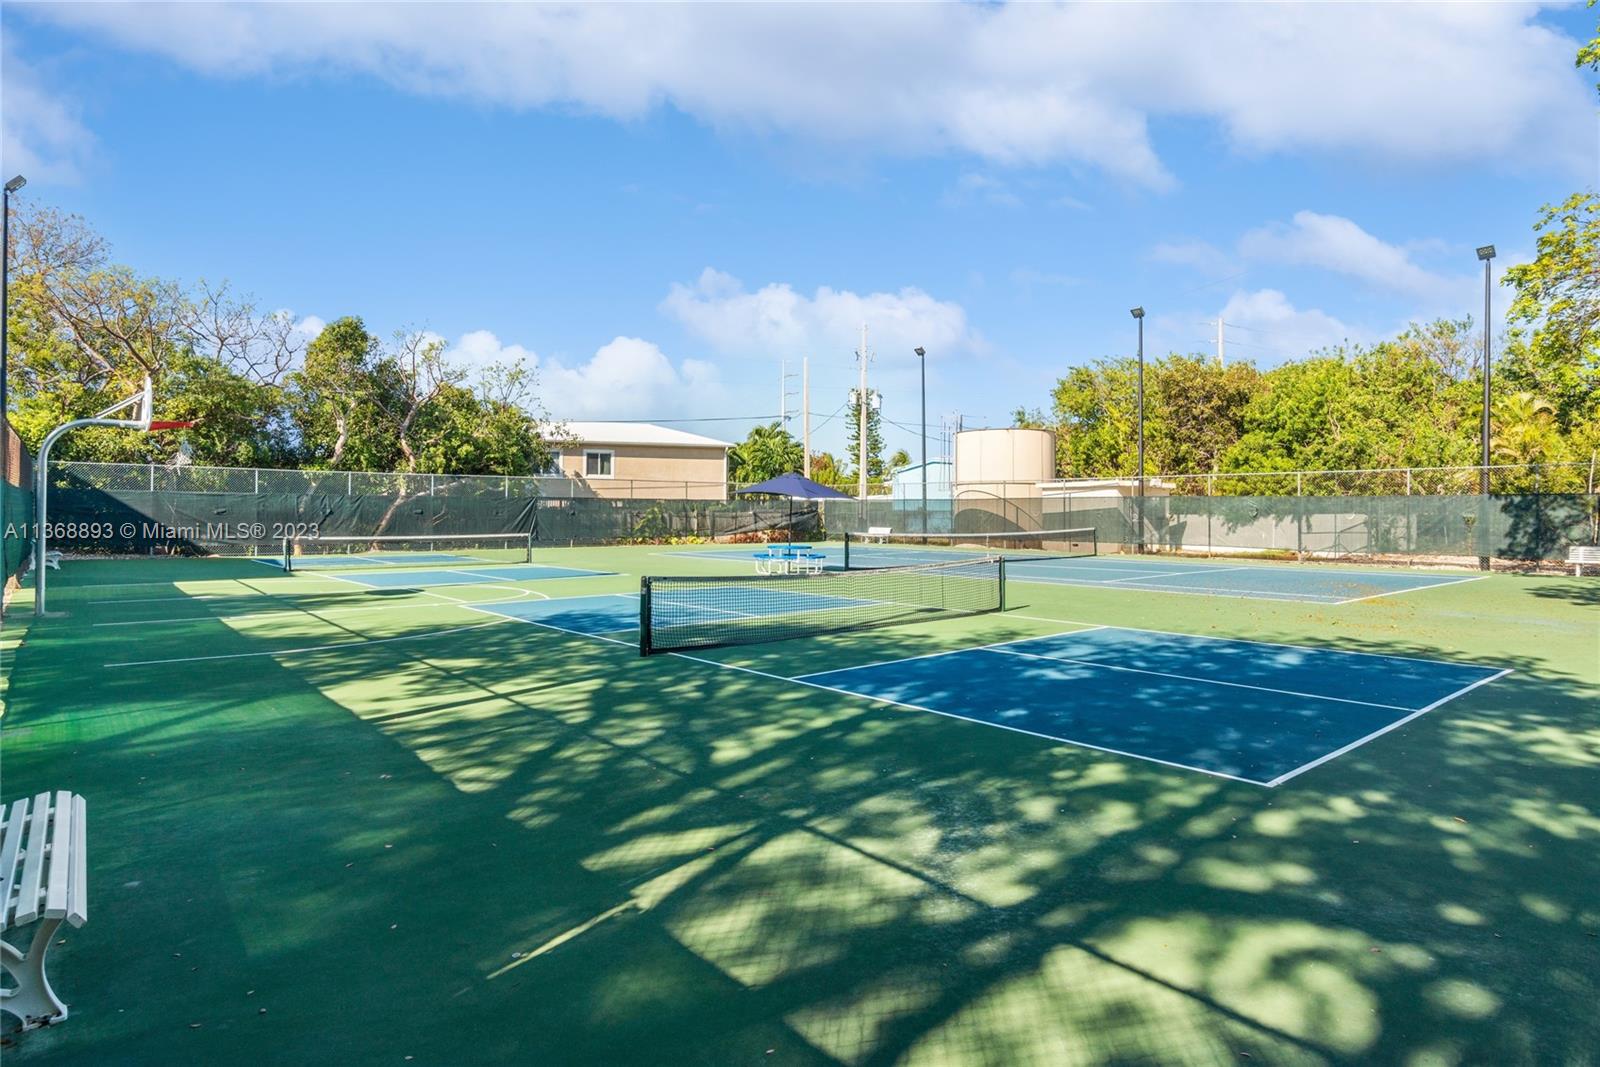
(1583, 555)
(44, 879)
(880, 532)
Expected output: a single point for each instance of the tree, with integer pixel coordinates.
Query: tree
(1194, 411)
(418, 371)
(767, 452)
(899, 460)
(826, 470)
(1589, 54)
(1524, 430)
(1554, 347)
(875, 469)
(336, 399)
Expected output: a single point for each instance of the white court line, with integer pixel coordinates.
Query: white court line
(1192, 678)
(1320, 760)
(902, 704)
(308, 648)
(1248, 641)
(301, 612)
(559, 629)
(487, 578)
(1414, 589)
(949, 651)
(964, 718)
(1171, 574)
(1230, 594)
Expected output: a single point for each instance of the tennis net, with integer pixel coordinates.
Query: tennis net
(866, 551)
(680, 613)
(405, 550)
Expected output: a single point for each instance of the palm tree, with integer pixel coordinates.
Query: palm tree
(769, 451)
(1524, 430)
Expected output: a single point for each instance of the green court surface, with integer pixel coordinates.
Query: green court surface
(454, 822)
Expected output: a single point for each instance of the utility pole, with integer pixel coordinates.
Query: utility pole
(1222, 355)
(783, 392)
(805, 412)
(861, 416)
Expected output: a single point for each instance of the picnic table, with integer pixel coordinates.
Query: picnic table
(788, 558)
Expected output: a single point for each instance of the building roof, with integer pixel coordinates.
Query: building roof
(638, 433)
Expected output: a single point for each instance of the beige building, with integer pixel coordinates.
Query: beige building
(643, 460)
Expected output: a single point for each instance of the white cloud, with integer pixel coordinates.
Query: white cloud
(775, 320)
(1270, 330)
(1340, 245)
(1013, 85)
(983, 187)
(626, 378)
(1201, 255)
(40, 134)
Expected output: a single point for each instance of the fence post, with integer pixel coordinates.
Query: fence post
(349, 484)
(1299, 483)
(1408, 481)
(152, 467)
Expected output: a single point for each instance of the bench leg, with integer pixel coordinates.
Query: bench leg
(32, 1001)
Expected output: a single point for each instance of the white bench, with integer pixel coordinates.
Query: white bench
(52, 559)
(1583, 555)
(880, 533)
(44, 876)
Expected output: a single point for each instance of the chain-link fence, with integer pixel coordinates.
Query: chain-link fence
(1406, 513)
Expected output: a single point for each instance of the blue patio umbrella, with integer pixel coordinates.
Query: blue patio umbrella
(795, 487)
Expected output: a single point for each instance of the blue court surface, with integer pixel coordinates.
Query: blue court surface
(1246, 710)
(1295, 582)
(423, 579)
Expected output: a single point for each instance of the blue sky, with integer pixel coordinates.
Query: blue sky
(657, 204)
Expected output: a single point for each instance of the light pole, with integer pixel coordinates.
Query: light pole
(922, 360)
(1138, 314)
(5, 350)
(1486, 253)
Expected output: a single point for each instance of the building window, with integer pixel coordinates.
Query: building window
(596, 464)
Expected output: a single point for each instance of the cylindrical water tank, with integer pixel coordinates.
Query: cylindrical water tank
(1005, 455)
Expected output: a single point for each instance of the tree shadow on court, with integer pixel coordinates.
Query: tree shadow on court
(510, 845)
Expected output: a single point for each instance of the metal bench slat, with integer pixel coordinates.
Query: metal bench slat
(78, 899)
(57, 884)
(33, 860)
(15, 822)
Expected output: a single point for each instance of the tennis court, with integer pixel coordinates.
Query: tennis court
(359, 810)
(1312, 584)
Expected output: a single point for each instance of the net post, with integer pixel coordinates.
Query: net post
(644, 616)
(1002, 561)
(288, 554)
(529, 557)
(847, 550)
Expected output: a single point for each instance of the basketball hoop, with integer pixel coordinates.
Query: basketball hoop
(142, 404)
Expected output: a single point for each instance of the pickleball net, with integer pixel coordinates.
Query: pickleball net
(678, 613)
(405, 550)
(867, 551)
